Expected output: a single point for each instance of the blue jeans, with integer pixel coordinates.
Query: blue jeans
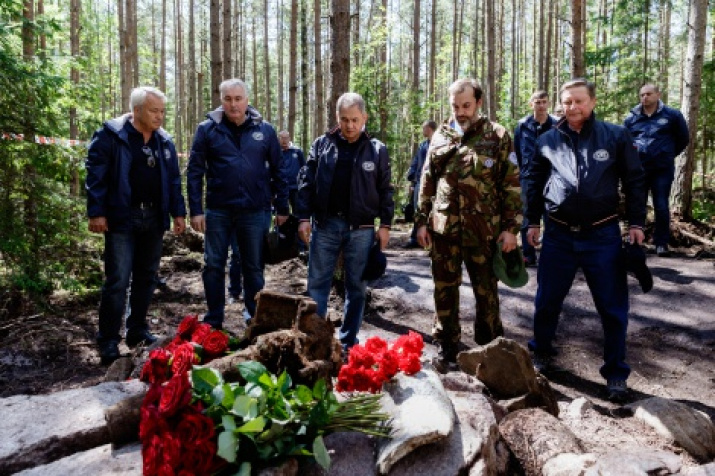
(598, 253)
(234, 270)
(249, 229)
(659, 183)
(130, 256)
(327, 240)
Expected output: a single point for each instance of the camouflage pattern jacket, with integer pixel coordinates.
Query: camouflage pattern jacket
(470, 188)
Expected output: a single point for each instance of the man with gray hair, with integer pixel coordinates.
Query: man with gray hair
(133, 184)
(344, 186)
(239, 155)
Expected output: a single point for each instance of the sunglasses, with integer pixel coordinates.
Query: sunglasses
(150, 160)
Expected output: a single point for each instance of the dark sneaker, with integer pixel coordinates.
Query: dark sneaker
(542, 362)
(662, 251)
(445, 360)
(108, 352)
(145, 337)
(617, 391)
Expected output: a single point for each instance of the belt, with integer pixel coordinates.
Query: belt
(584, 227)
(145, 205)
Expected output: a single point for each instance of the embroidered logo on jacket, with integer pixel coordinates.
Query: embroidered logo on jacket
(601, 155)
(368, 166)
(257, 136)
(662, 121)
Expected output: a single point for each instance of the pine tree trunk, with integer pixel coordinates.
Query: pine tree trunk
(340, 59)
(304, 73)
(490, 89)
(293, 66)
(75, 12)
(266, 65)
(682, 195)
(215, 46)
(281, 122)
(162, 61)
(227, 30)
(578, 67)
(319, 123)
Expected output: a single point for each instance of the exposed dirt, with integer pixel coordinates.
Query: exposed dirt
(671, 336)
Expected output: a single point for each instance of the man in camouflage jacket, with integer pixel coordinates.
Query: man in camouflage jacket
(469, 203)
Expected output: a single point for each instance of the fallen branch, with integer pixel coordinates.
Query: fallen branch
(699, 239)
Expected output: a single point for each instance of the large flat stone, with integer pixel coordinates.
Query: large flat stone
(100, 461)
(421, 412)
(43, 428)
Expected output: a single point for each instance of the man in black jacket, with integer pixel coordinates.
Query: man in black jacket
(344, 186)
(575, 176)
(133, 185)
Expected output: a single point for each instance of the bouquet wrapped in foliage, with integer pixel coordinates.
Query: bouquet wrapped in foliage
(195, 423)
(376, 362)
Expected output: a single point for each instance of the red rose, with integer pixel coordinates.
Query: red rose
(194, 427)
(151, 456)
(199, 458)
(166, 470)
(411, 343)
(376, 345)
(152, 397)
(360, 357)
(174, 344)
(187, 326)
(202, 330)
(175, 395)
(215, 343)
(410, 364)
(156, 368)
(389, 365)
(151, 423)
(184, 358)
(172, 449)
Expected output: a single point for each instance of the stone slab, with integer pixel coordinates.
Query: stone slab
(100, 461)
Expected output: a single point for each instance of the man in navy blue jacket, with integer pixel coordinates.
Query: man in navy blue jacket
(295, 160)
(526, 132)
(660, 134)
(575, 175)
(414, 174)
(239, 155)
(344, 187)
(133, 184)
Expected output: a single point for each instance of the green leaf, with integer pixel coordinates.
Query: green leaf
(227, 446)
(254, 426)
(244, 470)
(204, 379)
(252, 370)
(228, 396)
(320, 453)
(284, 382)
(319, 389)
(218, 394)
(303, 394)
(266, 381)
(246, 407)
(228, 422)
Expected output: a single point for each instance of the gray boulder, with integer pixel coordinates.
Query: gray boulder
(421, 412)
(704, 470)
(689, 428)
(103, 460)
(40, 429)
(569, 464)
(535, 436)
(637, 462)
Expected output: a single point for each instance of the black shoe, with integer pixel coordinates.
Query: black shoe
(108, 352)
(145, 337)
(445, 360)
(662, 251)
(617, 391)
(530, 262)
(543, 363)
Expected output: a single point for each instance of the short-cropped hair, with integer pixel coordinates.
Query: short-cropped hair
(138, 96)
(460, 85)
(349, 100)
(578, 83)
(230, 84)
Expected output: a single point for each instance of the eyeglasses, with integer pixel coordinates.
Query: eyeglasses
(150, 160)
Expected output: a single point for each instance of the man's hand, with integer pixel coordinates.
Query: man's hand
(383, 236)
(636, 235)
(304, 232)
(98, 224)
(424, 238)
(198, 223)
(507, 240)
(532, 235)
(179, 225)
(280, 219)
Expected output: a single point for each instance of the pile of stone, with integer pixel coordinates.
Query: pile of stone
(495, 416)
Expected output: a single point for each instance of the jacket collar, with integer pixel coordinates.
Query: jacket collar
(638, 110)
(563, 125)
(117, 124)
(334, 134)
(253, 115)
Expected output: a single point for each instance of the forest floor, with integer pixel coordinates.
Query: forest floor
(671, 336)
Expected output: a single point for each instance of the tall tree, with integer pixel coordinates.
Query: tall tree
(578, 65)
(490, 90)
(319, 122)
(281, 40)
(416, 47)
(215, 46)
(682, 195)
(292, 66)
(304, 90)
(227, 48)
(266, 64)
(340, 58)
(162, 60)
(75, 7)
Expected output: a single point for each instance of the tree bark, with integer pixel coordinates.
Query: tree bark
(340, 59)
(266, 65)
(682, 195)
(215, 45)
(281, 121)
(227, 47)
(162, 61)
(75, 29)
(490, 87)
(304, 90)
(293, 66)
(319, 122)
(578, 67)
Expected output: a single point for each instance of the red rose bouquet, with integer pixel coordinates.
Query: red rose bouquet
(372, 364)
